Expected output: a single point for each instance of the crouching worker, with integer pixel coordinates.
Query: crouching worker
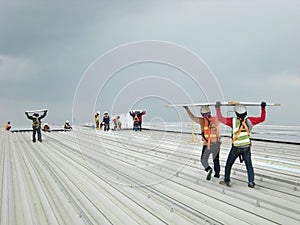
(36, 125)
(241, 143)
(7, 126)
(67, 125)
(46, 127)
(210, 137)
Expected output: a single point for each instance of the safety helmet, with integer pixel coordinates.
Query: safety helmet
(46, 124)
(98, 112)
(67, 121)
(105, 112)
(205, 109)
(240, 109)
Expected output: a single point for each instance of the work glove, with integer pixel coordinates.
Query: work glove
(263, 104)
(218, 105)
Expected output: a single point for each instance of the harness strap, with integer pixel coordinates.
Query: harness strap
(208, 130)
(243, 125)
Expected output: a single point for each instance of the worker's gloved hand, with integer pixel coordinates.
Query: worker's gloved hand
(218, 105)
(185, 107)
(263, 104)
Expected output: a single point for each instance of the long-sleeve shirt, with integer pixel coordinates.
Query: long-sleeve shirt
(106, 119)
(39, 118)
(228, 120)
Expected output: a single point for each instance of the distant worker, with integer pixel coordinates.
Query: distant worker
(105, 121)
(136, 124)
(210, 133)
(241, 142)
(97, 120)
(36, 124)
(67, 125)
(117, 123)
(46, 127)
(139, 116)
(7, 126)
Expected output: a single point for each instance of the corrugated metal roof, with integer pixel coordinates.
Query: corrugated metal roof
(149, 177)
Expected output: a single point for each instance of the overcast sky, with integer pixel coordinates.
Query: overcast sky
(46, 47)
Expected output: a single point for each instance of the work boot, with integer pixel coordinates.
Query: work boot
(228, 184)
(208, 177)
(251, 184)
(217, 175)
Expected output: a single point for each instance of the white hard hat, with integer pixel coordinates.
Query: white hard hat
(205, 109)
(46, 124)
(105, 112)
(98, 112)
(67, 121)
(240, 109)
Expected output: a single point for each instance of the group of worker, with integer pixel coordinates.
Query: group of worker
(105, 122)
(241, 143)
(36, 125)
(241, 128)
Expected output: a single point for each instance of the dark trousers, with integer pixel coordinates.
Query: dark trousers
(234, 153)
(106, 126)
(38, 132)
(140, 125)
(136, 126)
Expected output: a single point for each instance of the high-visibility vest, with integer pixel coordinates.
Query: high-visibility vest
(36, 122)
(240, 133)
(211, 130)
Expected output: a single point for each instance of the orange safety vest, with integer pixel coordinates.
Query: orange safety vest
(211, 130)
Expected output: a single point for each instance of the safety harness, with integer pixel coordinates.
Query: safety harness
(240, 132)
(35, 122)
(241, 135)
(211, 130)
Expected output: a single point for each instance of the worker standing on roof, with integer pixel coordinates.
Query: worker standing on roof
(7, 126)
(97, 120)
(211, 139)
(241, 143)
(139, 115)
(105, 121)
(36, 124)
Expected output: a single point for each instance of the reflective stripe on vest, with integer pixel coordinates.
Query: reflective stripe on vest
(243, 138)
(211, 130)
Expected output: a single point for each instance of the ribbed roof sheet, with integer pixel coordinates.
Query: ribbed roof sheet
(149, 177)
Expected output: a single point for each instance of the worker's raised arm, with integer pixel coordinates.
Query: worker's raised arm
(44, 114)
(29, 117)
(224, 120)
(191, 115)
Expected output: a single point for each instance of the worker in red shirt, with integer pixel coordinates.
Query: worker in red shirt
(241, 143)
